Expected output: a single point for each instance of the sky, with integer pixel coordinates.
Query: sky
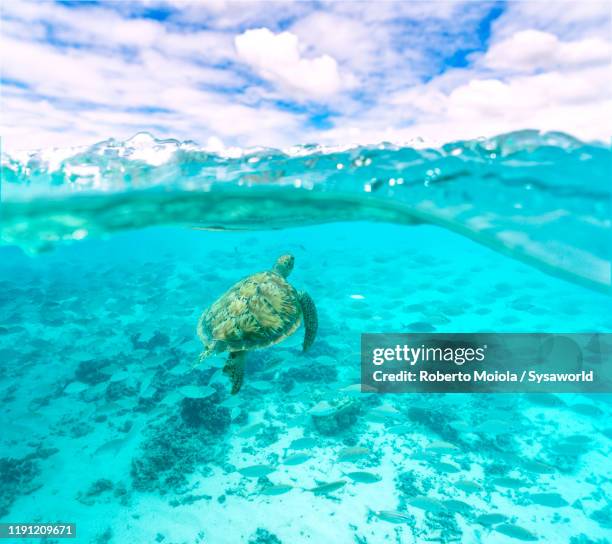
(283, 73)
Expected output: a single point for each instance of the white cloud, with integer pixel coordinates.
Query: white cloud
(344, 38)
(527, 79)
(167, 85)
(472, 103)
(377, 12)
(534, 49)
(366, 52)
(33, 123)
(538, 100)
(277, 58)
(571, 19)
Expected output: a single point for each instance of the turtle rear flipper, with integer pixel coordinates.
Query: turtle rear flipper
(234, 368)
(311, 319)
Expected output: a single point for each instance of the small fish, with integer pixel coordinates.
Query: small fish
(468, 486)
(110, 369)
(279, 489)
(553, 500)
(149, 392)
(545, 399)
(179, 370)
(112, 447)
(511, 483)
(383, 413)
(98, 389)
(364, 477)
(577, 439)
(392, 516)
(323, 409)
(120, 376)
(447, 468)
(127, 403)
(442, 447)
(107, 408)
(570, 449)
(422, 455)
(514, 531)
(300, 391)
(353, 454)
(491, 519)
(358, 389)
(427, 504)
(231, 402)
(256, 471)
(460, 507)
(586, 409)
(196, 391)
(537, 467)
(401, 429)
(250, 430)
(261, 386)
(324, 488)
(156, 412)
(296, 459)
(221, 228)
(304, 443)
(75, 388)
(171, 398)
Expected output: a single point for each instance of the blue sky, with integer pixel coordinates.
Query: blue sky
(281, 73)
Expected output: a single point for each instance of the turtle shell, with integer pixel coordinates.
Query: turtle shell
(258, 311)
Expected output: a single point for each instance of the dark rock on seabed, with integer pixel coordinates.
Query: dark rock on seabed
(179, 444)
(97, 488)
(603, 516)
(262, 536)
(434, 420)
(341, 421)
(205, 413)
(584, 539)
(89, 372)
(17, 477)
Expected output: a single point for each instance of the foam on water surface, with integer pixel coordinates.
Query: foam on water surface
(541, 198)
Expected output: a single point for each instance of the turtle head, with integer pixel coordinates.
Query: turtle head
(284, 265)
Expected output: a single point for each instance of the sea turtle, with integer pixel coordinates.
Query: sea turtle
(260, 310)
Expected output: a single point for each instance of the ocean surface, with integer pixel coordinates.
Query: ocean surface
(110, 253)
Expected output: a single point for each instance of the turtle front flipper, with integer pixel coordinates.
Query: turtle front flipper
(234, 368)
(311, 319)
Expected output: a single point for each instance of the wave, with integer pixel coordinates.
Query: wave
(543, 198)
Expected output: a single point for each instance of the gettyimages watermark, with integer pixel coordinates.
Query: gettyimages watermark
(486, 363)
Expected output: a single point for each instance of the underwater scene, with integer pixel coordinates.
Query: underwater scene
(112, 420)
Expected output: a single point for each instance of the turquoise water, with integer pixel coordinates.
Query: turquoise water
(103, 280)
